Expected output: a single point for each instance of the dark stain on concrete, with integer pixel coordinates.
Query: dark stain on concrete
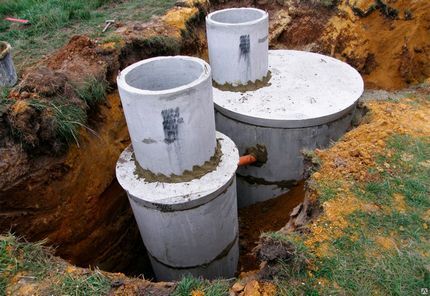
(171, 121)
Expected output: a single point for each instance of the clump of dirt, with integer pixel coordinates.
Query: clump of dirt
(276, 253)
(79, 59)
(262, 217)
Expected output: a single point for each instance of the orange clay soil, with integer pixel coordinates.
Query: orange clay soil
(352, 156)
(390, 52)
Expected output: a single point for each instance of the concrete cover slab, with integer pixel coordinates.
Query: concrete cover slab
(306, 89)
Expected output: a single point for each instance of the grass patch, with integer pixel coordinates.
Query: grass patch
(67, 118)
(93, 91)
(382, 252)
(36, 261)
(327, 191)
(18, 256)
(85, 285)
(53, 22)
(189, 284)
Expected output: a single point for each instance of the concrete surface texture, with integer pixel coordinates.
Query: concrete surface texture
(168, 106)
(305, 89)
(8, 76)
(285, 160)
(189, 227)
(238, 45)
(310, 101)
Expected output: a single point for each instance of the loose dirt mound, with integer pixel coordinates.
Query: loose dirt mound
(389, 43)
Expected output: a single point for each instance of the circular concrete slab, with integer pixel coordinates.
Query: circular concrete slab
(306, 89)
(179, 196)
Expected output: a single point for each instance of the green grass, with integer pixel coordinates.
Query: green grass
(37, 262)
(357, 264)
(93, 91)
(188, 284)
(86, 285)
(66, 119)
(17, 256)
(53, 22)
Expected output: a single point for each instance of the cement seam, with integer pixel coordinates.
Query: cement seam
(172, 208)
(221, 255)
(284, 184)
(284, 124)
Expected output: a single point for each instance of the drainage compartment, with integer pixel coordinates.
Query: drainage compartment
(238, 45)
(189, 227)
(168, 106)
(308, 103)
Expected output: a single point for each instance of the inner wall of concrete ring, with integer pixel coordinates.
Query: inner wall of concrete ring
(164, 97)
(238, 45)
(182, 242)
(285, 161)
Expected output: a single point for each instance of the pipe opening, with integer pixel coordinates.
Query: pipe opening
(237, 15)
(164, 74)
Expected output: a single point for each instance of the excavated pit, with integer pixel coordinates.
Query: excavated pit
(93, 225)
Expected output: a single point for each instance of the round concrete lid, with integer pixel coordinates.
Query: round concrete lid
(178, 196)
(305, 89)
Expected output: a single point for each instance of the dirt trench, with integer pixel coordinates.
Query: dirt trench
(70, 196)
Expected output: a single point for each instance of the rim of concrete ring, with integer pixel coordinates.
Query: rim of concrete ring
(204, 76)
(5, 48)
(264, 15)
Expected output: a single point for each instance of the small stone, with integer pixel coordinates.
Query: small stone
(25, 95)
(237, 287)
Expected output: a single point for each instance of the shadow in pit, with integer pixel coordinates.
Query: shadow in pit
(127, 254)
(270, 215)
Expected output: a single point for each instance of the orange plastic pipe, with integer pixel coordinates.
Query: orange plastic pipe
(247, 160)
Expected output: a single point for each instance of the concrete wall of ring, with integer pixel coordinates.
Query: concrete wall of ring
(168, 106)
(224, 267)
(189, 241)
(284, 148)
(238, 45)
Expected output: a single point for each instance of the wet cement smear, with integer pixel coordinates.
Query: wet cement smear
(187, 176)
(250, 86)
(261, 217)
